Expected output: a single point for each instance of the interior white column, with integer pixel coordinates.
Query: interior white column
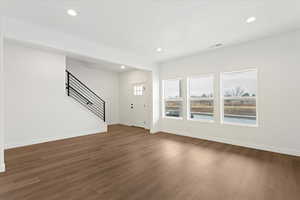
(2, 165)
(155, 101)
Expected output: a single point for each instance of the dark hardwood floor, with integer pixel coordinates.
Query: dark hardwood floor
(129, 163)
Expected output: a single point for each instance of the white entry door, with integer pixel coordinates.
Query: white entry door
(139, 105)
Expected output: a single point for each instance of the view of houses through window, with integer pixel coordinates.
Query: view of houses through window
(173, 101)
(201, 98)
(239, 93)
(238, 97)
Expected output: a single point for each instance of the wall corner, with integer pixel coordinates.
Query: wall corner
(2, 165)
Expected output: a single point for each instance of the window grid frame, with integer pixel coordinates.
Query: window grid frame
(138, 90)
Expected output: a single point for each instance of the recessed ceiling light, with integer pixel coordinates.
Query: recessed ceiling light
(122, 67)
(251, 19)
(216, 45)
(72, 12)
(159, 49)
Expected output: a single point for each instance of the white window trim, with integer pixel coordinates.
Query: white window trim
(176, 118)
(222, 98)
(245, 97)
(199, 98)
(172, 99)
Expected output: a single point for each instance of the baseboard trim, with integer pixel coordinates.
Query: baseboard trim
(154, 131)
(117, 124)
(112, 124)
(130, 125)
(50, 139)
(291, 152)
(2, 167)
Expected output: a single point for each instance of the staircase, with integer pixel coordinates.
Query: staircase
(84, 95)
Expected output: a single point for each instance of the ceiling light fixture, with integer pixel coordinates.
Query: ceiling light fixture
(72, 12)
(217, 45)
(159, 49)
(122, 67)
(251, 19)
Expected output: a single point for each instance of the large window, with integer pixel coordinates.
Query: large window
(239, 97)
(172, 98)
(201, 98)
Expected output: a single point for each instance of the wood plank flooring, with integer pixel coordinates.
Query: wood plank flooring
(129, 163)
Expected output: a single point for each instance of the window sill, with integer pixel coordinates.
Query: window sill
(240, 124)
(176, 118)
(201, 120)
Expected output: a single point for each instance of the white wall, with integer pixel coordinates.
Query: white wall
(2, 165)
(278, 63)
(104, 83)
(37, 108)
(126, 82)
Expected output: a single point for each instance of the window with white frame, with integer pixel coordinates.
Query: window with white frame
(172, 98)
(239, 97)
(201, 98)
(138, 90)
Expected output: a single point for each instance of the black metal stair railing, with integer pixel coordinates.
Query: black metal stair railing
(84, 95)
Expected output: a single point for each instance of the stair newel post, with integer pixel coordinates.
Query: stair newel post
(68, 82)
(104, 111)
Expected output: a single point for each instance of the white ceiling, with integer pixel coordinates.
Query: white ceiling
(97, 64)
(180, 27)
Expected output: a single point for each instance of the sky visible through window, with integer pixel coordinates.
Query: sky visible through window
(172, 88)
(201, 87)
(240, 84)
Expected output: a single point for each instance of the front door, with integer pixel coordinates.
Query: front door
(139, 105)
